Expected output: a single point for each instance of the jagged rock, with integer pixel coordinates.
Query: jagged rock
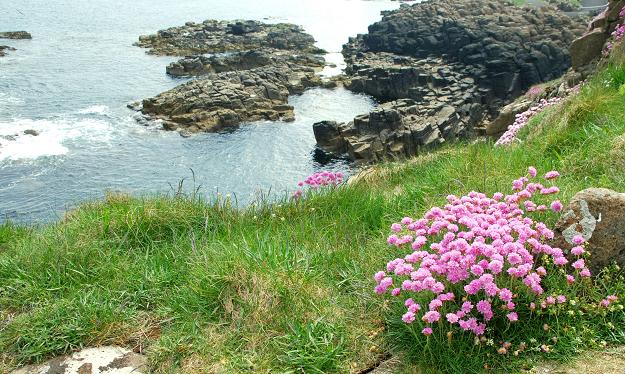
(15, 35)
(91, 361)
(270, 62)
(31, 132)
(587, 48)
(459, 63)
(213, 36)
(507, 116)
(598, 214)
(4, 48)
(396, 129)
(202, 65)
(509, 48)
(226, 99)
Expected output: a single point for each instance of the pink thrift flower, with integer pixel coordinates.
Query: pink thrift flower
(408, 302)
(556, 206)
(395, 291)
(552, 175)
(379, 276)
(561, 299)
(578, 264)
(396, 227)
(532, 171)
(452, 318)
(427, 331)
(512, 316)
(585, 273)
(505, 294)
(570, 279)
(431, 316)
(409, 317)
(577, 251)
(578, 239)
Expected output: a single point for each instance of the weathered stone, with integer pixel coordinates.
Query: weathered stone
(271, 62)
(31, 132)
(91, 361)
(458, 63)
(4, 48)
(213, 36)
(507, 115)
(587, 48)
(597, 214)
(15, 35)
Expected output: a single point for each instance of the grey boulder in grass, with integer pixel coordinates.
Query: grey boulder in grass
(597, 214)
(91, 361)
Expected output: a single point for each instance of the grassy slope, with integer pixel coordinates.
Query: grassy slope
(205, 287)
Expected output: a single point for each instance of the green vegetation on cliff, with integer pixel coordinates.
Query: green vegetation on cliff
(202, 286)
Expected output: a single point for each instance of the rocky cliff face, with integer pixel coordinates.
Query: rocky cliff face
(472, 56)
(262, 66)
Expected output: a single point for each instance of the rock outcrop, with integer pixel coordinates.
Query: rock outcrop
(202, 65)
(469, 57)
(15, 35)
(597, 214)
(91, 361)
(587, 48)
(213, 36)
(4, 48)
(262, 66)
(229, 98)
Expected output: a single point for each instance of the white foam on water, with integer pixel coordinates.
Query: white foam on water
(335, 58)
(94, 109)
(53, 136)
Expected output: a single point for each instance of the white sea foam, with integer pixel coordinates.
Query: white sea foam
(52, 139)
(94, 109)
(335, 58)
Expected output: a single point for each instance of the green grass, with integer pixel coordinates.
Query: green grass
(202, 286)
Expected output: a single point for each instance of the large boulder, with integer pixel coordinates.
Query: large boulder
(507, 116)
(91, 361)
(597, 214)
(587, 48)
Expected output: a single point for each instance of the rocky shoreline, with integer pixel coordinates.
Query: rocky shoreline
(441, 69)
(253, 70)
(12, 35)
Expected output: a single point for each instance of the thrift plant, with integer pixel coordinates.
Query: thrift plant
(479, 259)
(318, 180)
(522, 119)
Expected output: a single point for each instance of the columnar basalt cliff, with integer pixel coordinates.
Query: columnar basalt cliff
(262, 66)
(458, 62)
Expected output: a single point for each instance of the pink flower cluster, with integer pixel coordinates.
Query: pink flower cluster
(617, 35)
(522, 119)
(475, 255)
(608, 300)
(317, 180)
(534, 91)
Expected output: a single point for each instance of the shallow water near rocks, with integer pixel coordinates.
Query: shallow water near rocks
(72, 81)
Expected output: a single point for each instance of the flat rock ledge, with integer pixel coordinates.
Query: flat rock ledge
(213, 36)
(457, 61)
(252, 69)
(15, 35)
(105, 360)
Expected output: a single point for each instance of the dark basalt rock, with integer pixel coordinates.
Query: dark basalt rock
(202, 65)
(470, 57)
(213, 36)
